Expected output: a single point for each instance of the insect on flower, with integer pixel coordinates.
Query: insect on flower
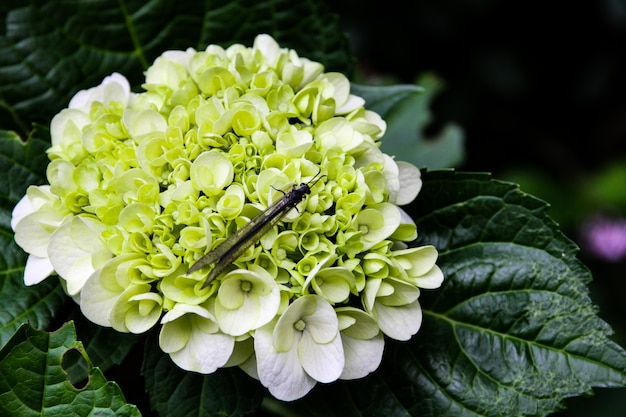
(236, 244)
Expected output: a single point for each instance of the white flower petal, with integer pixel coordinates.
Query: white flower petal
(323, 362)
(76, 250)
(430, 280)
(410, 183)
(37, 269)
(239, 321)
(405, 218)
(174, 336)
(22, 209)
(280, 372)
(34, 231)
(114, 87)
(251, 308)
(399, 323)
(268, 47)
(97, 300)
(323, 324)
(103, 288)
(361, 356)
(204, 352)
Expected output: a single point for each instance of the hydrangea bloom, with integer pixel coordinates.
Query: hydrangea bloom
(142, 185)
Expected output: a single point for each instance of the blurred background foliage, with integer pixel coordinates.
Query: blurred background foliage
(538, 89)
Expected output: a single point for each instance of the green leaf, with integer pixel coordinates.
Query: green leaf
(51, 49)
(33, 381)
(174, 392)
(106, 347)
(21, 164)
(405, 108)
(511, 332)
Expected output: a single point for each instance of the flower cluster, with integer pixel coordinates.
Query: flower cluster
(142, 185)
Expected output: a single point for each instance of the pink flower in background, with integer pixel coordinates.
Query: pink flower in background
(605, 238)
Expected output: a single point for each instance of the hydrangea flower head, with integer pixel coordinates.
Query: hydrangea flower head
(143, 185)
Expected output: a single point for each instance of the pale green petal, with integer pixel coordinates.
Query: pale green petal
(136, 310)
(185, 289)
(211, 172)
(392, 179)
(167, 72)
(143, 123)
(399, 323)
(146, 311)
(136, 185)
(386, 289)
(322, 361)
(399, 294)
(232, 202)
(407, 231)
(66, 135)
(361, 325)
(180, 309)
(377, 223)
(417, 261)
(430, 280)
(372, 286)
(174, 333)
(368, 122)
(334, 284)
(338, 133)
(345, 101)
(294, 143)
(242, 352)
(60, 176)
(103, 288)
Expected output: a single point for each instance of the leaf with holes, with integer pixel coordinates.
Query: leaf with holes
(33, 381)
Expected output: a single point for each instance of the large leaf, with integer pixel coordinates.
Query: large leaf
(177, 393)
(51, 49)
(33, 381)
(512, 332)
(21, 164)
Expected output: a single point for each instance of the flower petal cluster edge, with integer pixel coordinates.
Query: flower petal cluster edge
(142, 185)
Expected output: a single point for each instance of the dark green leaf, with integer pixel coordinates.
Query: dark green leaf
(106, 347)
(51, 49)
(33, 381)
(21, 164)
(174, 392)
(512, 332)
(406, 110)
